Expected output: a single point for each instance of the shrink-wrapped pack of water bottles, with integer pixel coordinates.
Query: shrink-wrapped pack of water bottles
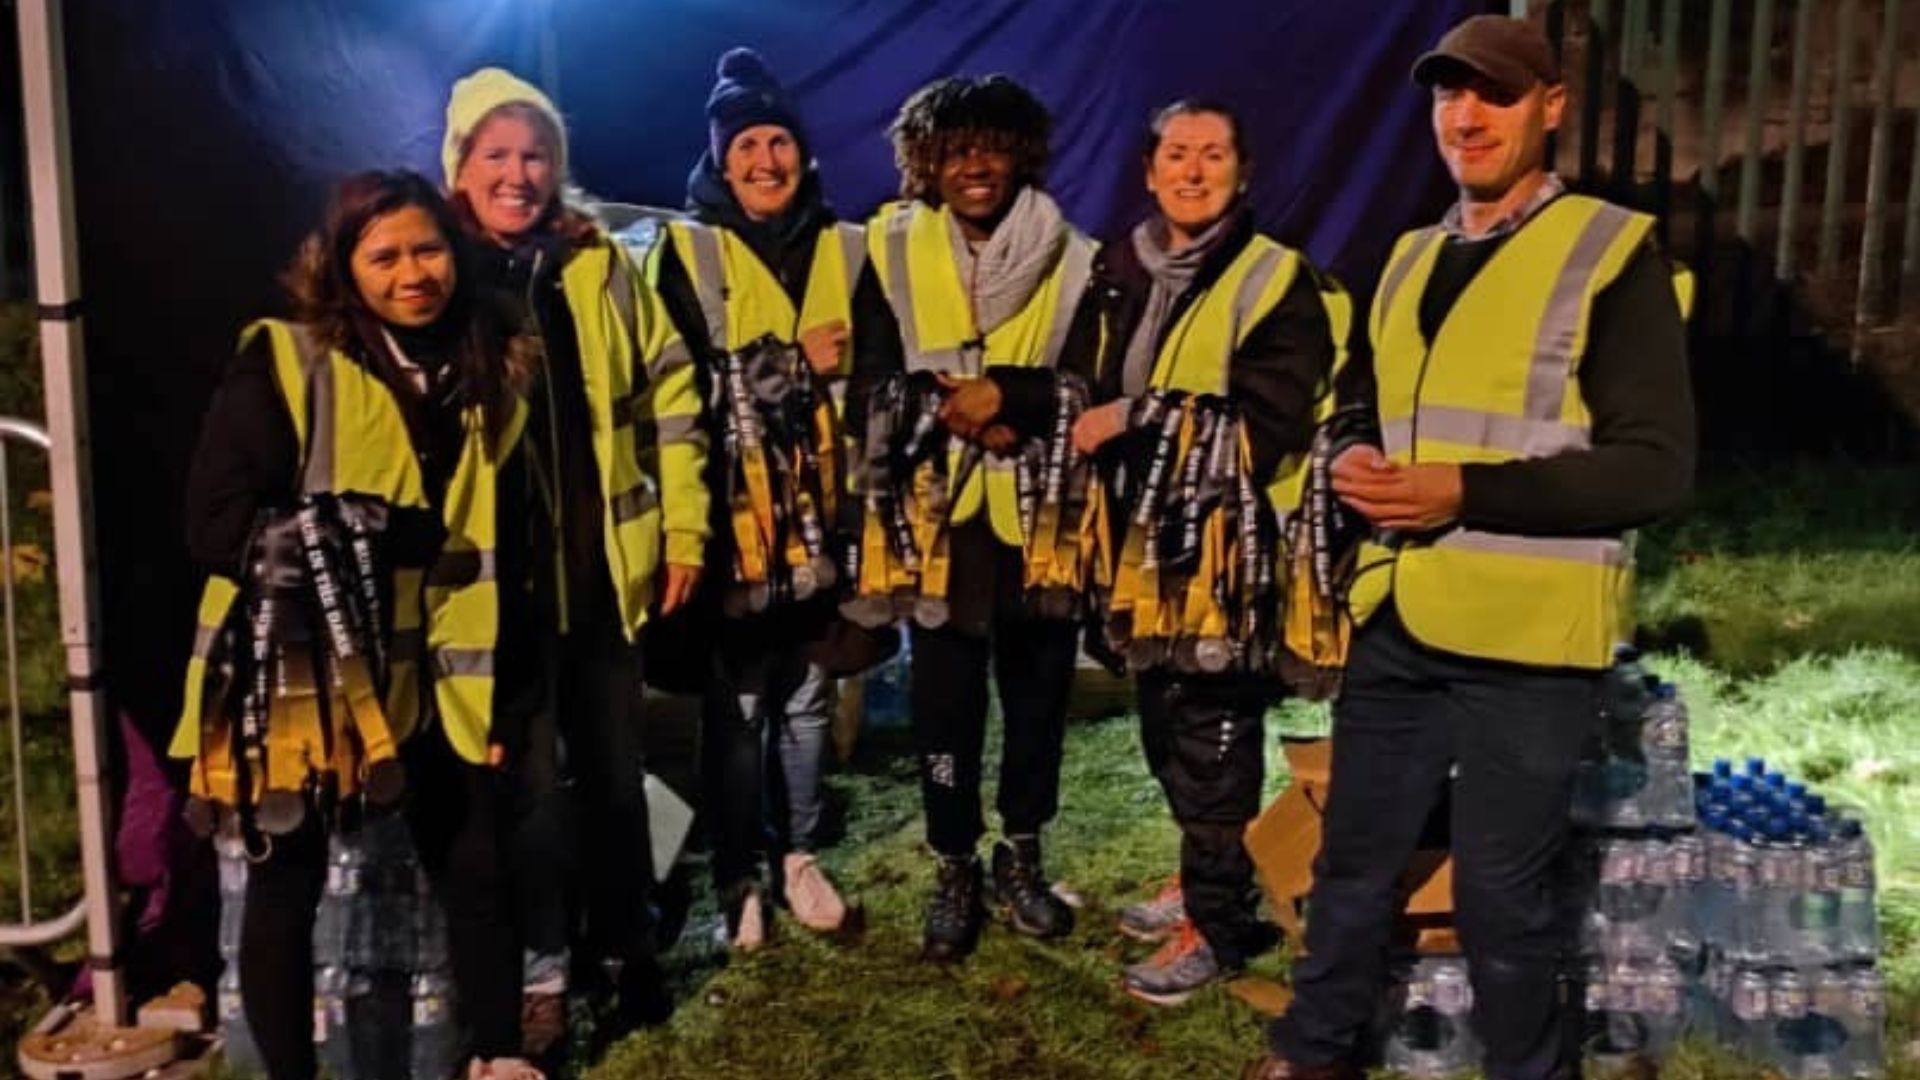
(1734, 904)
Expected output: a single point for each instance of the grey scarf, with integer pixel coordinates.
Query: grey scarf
(1172, 273)
(1003, 275)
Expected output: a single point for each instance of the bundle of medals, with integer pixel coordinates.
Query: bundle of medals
(912, 471)
(1323, 540)
(782, 440)
(305, 652)
(1195, 589)
(1063, 513)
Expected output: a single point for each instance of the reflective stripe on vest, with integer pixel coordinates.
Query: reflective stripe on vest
(911, 247)
(352, 439)
(463, 591)
(627, 352)
(1498, 383)
(743, 301)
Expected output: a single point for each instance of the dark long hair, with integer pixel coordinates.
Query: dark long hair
(490, 363)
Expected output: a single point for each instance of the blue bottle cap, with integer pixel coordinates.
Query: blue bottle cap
(1714, 817)
(1722, 767)
(1756, 766)
(1776, 826)
(1816, 805)
(1796, 790)
(1777, 781)
(1741, 782)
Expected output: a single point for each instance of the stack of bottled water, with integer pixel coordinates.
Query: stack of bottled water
(1789, 922)
(1427, 1026)
(243, 1056)
(382, 998)
(1639, 778)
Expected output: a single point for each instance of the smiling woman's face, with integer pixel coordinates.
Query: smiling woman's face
(1195, 171)
(403, 268)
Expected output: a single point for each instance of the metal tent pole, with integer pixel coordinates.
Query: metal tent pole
(57, 290)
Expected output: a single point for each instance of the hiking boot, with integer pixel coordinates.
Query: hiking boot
(810, 895)
(746, 918)
(1021, 892)
(1155, 920)
(1183, 965)
(954, 912)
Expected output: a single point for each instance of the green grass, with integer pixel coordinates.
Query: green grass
(809, 1008)
(1778, 564)
(1787, 606)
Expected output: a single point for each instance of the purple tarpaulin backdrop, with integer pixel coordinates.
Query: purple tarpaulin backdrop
(206, 134)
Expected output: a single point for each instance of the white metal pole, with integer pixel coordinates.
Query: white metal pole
(57, 290)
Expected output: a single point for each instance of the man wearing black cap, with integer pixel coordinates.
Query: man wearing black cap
(1530, 386)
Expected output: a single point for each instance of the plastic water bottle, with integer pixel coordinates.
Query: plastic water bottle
(1627, 902)
(1867, 1023)
(1801, 1042)
(1813, 912)
(1686, 897)
(435, 1044)
(1749, 1007)
(381, 936)
(1746, 935)
(242, 1053)
(233, 894)
(1669, 791)
(1858, 929)
(1431, 1036)
(886, 691)
(332, 925)
(332, 1031)
(1663, 1005)
(429, 924)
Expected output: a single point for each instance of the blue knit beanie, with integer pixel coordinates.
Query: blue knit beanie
(744, 95)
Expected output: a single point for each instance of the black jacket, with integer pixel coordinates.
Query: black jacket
(1275, 375)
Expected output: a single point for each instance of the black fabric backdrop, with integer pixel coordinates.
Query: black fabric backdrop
(206, 134)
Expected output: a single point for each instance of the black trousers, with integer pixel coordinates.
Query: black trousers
(1032, 660)
(1408, 717)
(1205, 744)
(580, 791)
(455, 811)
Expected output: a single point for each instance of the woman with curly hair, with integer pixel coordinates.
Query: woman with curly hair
(617, 453)
(978, 283)
(355, 473)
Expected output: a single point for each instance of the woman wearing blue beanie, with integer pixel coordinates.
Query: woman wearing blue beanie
(759, 279)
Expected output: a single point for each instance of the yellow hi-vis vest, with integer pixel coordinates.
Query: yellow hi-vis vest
(1499, 382)
(743, 301)
(911, 246)
(353, 441)
(648, 438)
(1196, 355)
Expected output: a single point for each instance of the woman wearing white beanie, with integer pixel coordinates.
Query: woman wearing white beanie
(621, 518)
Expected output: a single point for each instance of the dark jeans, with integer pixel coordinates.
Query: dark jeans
(581, 807)
(457, 819)
(1033, 663)
(1204, 743)
(1406, 718)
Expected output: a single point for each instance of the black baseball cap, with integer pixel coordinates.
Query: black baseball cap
(1511, 53)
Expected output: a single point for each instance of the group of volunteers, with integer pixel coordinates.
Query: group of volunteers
(453, 508)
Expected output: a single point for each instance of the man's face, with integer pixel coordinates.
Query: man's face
(1489, 138)
(977, 182)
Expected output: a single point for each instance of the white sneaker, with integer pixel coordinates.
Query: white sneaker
(810, 896)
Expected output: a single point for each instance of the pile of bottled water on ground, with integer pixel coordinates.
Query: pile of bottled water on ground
(1734, 905)
(383, 994)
